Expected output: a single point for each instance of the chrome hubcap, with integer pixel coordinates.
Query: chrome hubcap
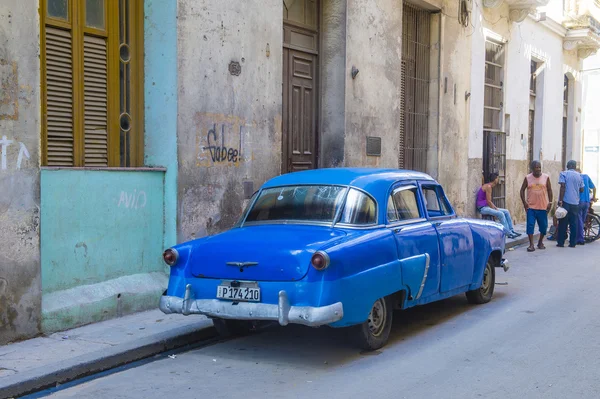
(377, 317)
(487, 279)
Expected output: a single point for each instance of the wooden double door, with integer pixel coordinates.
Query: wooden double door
(300, 85)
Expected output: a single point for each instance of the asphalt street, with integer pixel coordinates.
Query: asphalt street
(538, 338)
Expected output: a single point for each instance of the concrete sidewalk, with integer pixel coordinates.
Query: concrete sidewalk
(44, 362)
(522, 228)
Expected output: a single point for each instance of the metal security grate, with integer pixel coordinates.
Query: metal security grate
(494, 139)
(414, 119)
(402, 121)
(494, 160)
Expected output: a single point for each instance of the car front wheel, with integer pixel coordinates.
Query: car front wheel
(374, 333)
(484, 293)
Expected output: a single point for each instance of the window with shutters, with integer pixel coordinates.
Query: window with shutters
(92, 83)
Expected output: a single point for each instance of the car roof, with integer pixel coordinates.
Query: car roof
(372, 180)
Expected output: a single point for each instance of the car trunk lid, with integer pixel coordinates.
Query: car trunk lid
(261, 253)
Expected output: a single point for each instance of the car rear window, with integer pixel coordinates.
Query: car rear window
(360, 209)
(317, 203)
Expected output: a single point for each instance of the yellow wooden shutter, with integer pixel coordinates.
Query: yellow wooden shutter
(59, 97)
(95, 100)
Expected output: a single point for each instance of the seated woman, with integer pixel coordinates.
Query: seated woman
(485, 206)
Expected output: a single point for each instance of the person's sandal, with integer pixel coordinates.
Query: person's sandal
(541, 246)
(530, 249)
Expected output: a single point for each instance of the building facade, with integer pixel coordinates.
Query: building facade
(591, 119)
(129, 125)
(591, 95)
(526, 87)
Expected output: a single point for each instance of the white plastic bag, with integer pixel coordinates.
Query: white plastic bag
(560, 212)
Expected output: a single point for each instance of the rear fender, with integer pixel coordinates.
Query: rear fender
(360, 291)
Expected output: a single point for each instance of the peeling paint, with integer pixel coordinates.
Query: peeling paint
(9, 90)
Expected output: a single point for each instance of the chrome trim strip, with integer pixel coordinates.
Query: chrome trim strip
(285, 221)
(406, 222)
(368, 195)
(359, 227)
(338, 213)
(282, 312)
(402, 188)
(244, 216)
(442, 218)
(424, 276)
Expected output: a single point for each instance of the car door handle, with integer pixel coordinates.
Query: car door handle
(397, 230)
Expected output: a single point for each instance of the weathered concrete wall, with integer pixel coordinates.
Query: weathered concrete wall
(455, 80)
(517, 170)
(473, 184)
(553, 168)
(374, 46)
(333, 83)
(217, 109)
(572, 66)
(20, 296)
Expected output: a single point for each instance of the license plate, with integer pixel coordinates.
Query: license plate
(242, 294)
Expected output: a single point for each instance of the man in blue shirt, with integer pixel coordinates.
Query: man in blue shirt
(571, 184)
(584, 204)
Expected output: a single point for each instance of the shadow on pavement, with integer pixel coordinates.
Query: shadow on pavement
(324, 348)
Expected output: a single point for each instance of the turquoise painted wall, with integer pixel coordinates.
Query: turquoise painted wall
(98, 225)
(103, 231)
(160, 75)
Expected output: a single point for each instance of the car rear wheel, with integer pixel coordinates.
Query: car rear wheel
(484, 293)
(232, 328)
(374, 333)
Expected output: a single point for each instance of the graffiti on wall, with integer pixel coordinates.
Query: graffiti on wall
(219, 152)
(23, 153)
(133, 200)
(221, 139)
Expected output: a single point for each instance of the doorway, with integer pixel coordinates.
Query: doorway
(300, 84)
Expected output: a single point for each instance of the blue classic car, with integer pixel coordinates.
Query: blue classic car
(341, 247)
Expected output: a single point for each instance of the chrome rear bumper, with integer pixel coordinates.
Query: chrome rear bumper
(282, 312)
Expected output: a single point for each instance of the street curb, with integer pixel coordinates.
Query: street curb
(49, 376)
(520, 241)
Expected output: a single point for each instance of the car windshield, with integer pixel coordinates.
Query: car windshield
(298, 203)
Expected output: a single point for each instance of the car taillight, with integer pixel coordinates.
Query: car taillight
(170, 256)
(320, 260)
